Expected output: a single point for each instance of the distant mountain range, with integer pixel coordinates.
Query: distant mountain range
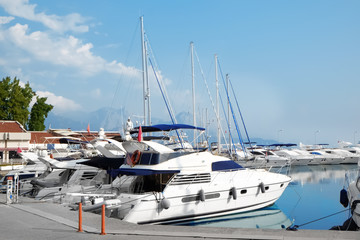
(113, 120)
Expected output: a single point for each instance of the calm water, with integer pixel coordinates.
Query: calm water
(314, 193)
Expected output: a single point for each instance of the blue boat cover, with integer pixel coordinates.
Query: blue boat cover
(138, 172)
(278, 145)
(165, 127)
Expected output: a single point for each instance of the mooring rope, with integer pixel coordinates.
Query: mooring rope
(295, 227)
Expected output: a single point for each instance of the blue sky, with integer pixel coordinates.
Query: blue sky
(293, 64)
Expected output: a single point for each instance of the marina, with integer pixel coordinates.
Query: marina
(156, 167)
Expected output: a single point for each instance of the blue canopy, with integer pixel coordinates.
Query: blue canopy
(278, 145)
(138, 172)
(165, 127)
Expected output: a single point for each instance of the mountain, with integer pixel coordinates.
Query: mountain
(113, 120)
(107, 118)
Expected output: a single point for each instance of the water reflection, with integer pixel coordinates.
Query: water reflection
(318, 173)
(266, 218)
(314, 194)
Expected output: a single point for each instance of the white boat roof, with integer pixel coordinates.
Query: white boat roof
(131, 146)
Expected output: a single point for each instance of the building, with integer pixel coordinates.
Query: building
(13, 138)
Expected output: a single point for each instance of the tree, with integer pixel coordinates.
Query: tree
(15, 101)
(39, 113)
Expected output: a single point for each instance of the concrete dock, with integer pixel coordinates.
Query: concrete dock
(30, 219)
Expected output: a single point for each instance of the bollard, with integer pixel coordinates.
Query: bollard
(80, 218)
(103, 220)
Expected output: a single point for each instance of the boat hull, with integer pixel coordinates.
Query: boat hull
(185, 202)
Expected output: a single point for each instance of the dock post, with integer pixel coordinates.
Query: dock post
(80, 218)
(103, 220)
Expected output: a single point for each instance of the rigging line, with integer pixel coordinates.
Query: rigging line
(121, 78)
(166, 103)
(297, 226)
(207, 88)
(242, 119)
(164, 92)
(232, 112)
(228, 125)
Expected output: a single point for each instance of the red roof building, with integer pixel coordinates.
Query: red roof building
(13, 138)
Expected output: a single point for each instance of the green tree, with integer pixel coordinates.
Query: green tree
(39, 113)
(15, 101)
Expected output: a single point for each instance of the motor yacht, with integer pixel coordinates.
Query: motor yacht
(328, 157)
(296, 158)
(266, 158)
(315, 159)
(175, 186)
(349, 157)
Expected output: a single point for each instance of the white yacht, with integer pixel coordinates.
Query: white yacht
(32, 169)
(328, 157)
(349, 157)
(268, 158)
(316, 159)
(175, 186)
(295, 157)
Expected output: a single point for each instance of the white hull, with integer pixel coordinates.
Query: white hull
(185, 203)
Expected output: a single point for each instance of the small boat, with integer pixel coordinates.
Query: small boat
(175, 186)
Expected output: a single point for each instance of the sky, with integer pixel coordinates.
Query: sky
(294, 65)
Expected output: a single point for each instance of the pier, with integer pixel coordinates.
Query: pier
(30, 219)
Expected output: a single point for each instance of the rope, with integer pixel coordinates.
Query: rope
(295, 227)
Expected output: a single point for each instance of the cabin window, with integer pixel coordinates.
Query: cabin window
(225, 166)
(257, 153)
(148, 158)
(266, 188)
(197, 197)
(150, 183)
(281, 185)
(191, 179)
(88, 175)
(244, 191)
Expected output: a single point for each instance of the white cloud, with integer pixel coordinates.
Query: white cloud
(69, 51)
(22, 8)
(61, 104)
(5, 20)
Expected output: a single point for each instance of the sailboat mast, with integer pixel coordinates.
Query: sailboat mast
(193, 88)
(228, 103)
(147, 88)
(217, 106)
(144, 67)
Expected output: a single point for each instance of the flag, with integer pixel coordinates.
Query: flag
(140, 138)
(128, 160)
(88, 128)
(18, 150)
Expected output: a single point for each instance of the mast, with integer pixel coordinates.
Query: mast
(146, 92)
(228, 103)
(193, 87)
(217, 105)
(147, 88)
